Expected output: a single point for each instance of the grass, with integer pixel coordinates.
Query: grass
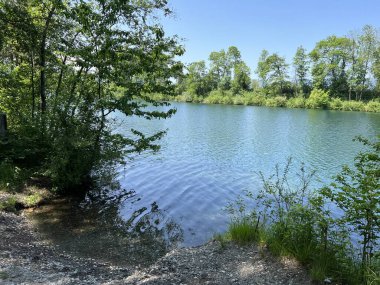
(244, 231)
(29, 197)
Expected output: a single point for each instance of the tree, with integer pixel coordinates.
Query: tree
(262, 69)
(241, 80)
(197, 78)
(220, 70)
(272, 71)
(301, 66)
(330, 59)
(79, 61)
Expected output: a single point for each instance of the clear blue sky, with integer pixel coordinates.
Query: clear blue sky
(253, 25)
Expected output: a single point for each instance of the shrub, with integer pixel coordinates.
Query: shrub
(353, 106)
(278, 101)
(318, 99)
(372, 106)
(296, 102)
(238, 100)
(253, 99)
(336, 104)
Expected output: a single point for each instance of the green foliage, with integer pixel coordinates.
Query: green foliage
(244, 231)
(278, 101)
(65, 67)
(33, 200)
(336, 104)
(296, 102)
(317, 99)
(8, 204)
(293, 220)
(253, 99)
(301, 66)
(372, 106)
(356, 192)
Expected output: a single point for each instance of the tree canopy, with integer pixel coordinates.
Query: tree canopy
(65, 66)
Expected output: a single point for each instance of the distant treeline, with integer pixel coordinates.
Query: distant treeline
(341, 68)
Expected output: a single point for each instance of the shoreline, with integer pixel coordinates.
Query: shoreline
(273, 102)
(27, 259)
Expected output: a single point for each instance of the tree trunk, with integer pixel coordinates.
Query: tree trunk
(3, 124)
(43, 61)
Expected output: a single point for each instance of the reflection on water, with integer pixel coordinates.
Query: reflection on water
(93, 228)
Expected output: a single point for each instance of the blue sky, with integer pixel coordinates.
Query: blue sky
(253, 25)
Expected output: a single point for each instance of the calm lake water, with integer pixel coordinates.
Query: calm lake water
(211, 154)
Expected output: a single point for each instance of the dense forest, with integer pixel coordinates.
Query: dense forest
(339, 73)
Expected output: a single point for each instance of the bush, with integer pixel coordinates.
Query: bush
(238, 100)
(278, 101)
(318, 99)
(296, 102)
(253, 99)
(372, 106)
(353, 106)
(336, 104)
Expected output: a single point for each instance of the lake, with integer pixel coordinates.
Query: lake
(212, 153)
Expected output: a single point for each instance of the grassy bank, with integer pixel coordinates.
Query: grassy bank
(318, 101)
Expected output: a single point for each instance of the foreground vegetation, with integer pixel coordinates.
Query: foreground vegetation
(318, 99)
(292, 220)
(65, 67)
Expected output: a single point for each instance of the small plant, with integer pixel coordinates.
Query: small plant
(222, 239)
(244, 231)
(33, 200)
(8, 204)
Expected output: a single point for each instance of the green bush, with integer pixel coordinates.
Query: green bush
(318, 99)
(372, 106)
(353, 106)
(278, 101)
(296, 102)
(253, 99)
(238, 100)
(336, 104)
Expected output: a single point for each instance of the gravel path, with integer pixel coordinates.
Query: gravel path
(26, 259)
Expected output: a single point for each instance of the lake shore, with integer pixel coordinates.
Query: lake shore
(28, 259)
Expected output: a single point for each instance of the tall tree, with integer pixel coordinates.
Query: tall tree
(278, 72)
(242, 79)
(301, 66)
(330, 59)
(197, 78)
(263, 68)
